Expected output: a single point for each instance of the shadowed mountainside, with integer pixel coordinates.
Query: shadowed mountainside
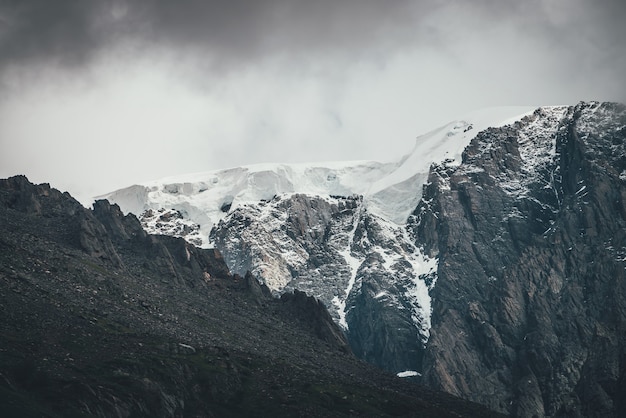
(102, 319)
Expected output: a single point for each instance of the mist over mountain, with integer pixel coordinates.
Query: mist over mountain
(488, 262)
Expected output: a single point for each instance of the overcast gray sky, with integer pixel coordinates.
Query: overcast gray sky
(97, 95)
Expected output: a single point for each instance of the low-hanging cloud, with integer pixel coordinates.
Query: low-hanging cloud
(234, 32)
(230, 32)
(159, 87)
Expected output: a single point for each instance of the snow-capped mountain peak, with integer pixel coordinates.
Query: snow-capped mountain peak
(390, 190)
(485, 245)
(336, 230)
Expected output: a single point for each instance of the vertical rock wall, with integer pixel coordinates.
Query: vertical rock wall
(529, 310)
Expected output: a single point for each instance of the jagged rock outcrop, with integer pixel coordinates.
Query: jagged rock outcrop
(363, 268)
(41, 200)
(529, 309)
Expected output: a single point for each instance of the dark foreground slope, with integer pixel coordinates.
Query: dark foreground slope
(101, 319)
(529, 310)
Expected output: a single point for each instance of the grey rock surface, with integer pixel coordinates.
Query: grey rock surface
(529, 310)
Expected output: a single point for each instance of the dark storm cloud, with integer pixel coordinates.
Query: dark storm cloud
(38, 29)
(43, 34)
(71, 32)
(100, 76)
(250, 29)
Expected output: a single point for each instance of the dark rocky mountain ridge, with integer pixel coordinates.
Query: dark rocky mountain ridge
(102, 319)
(528, 238)
(529, 310)
(521, 248)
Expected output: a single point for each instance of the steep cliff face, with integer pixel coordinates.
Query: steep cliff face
(529, 310)
(363, 268)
